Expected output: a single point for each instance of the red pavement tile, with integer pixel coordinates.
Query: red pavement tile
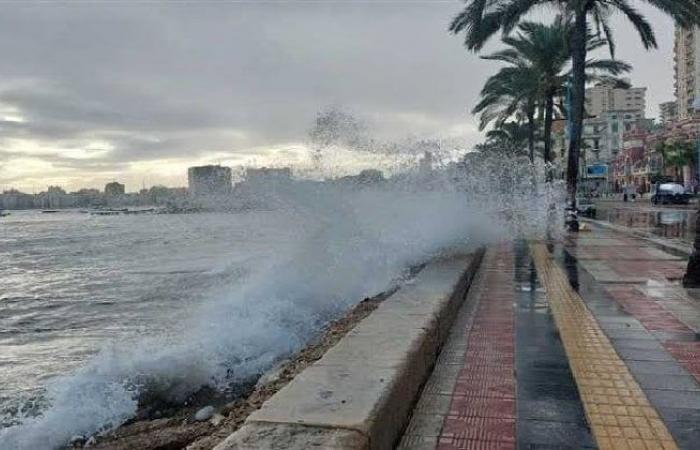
(482, 412)
(469, 444)
(652, 315)
(488, 429)
(491, 372)
(479, 388)
(684, 351)
(463, 407)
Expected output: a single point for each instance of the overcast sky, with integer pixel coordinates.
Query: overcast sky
(137, 91)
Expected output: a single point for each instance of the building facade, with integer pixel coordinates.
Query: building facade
(114, 188)
(209, 180)
(638, 163)
(668, 112)
(605, 97)
(686, 68)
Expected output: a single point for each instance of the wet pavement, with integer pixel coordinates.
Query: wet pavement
(550, 411)
(607, 356)
(668, 221)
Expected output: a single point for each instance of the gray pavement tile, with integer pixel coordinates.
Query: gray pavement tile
(433, 404)
(615, 325)
(640, 344)
(671, 336)
(656, 367)
(428, 425)
(451, 357)
(679, 414)
(620, 317)
(440, 384)
(410, 442)
(553, 447)
(687, 434)
(674, 399)
(628, 334)
(605, 309)
(547, 391)
(551, 410)
(668, 382)
(563, 434)
(634, 354)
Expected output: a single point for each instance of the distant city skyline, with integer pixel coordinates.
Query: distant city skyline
(142, 91)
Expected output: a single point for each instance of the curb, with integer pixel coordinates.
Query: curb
(360, 394)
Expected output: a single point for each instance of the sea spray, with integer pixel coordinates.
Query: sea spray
(358, 239)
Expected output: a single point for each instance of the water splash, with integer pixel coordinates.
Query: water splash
(360, 237)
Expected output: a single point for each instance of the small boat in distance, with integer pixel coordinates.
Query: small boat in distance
(4, 213)
(118, 211)
(49, 211)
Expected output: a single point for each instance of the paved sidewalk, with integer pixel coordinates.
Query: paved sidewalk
(607, 356)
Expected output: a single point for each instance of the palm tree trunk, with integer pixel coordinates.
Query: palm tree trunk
(548, 112)
(578, 92)
(531, 134)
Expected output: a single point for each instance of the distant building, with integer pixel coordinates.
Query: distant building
(14, 199)
(668, 112)
(208, 180)
(605, 97)
(425, 165)
(366, 177)
(267, 174)
(114, 188)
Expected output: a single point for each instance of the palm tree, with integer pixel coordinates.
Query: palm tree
(510, 92)
(481, 19)
(545, 49)
(511, 136)
(678, 155)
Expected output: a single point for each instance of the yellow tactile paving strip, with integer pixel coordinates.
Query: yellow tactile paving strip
(617, 410)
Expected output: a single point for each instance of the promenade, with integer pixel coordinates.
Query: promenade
(590, 342)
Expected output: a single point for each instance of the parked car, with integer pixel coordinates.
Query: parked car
(586, 207)
(669, 193)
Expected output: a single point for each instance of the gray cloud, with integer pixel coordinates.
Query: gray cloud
(189, 79)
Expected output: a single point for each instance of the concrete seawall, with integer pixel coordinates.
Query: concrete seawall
(359, 395)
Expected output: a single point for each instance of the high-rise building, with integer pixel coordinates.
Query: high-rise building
(686, 67)
(114, 188)
(206, 180)
(605, 97)
(668, 112)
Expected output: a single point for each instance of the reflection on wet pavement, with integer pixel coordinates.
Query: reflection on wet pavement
(550, 412)
(663, 222)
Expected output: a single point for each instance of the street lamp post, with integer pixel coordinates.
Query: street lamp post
(691, 279)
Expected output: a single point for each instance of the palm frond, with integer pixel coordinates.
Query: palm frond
(646, 33)
(684, 12)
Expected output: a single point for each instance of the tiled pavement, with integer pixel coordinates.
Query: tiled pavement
(504, 380)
